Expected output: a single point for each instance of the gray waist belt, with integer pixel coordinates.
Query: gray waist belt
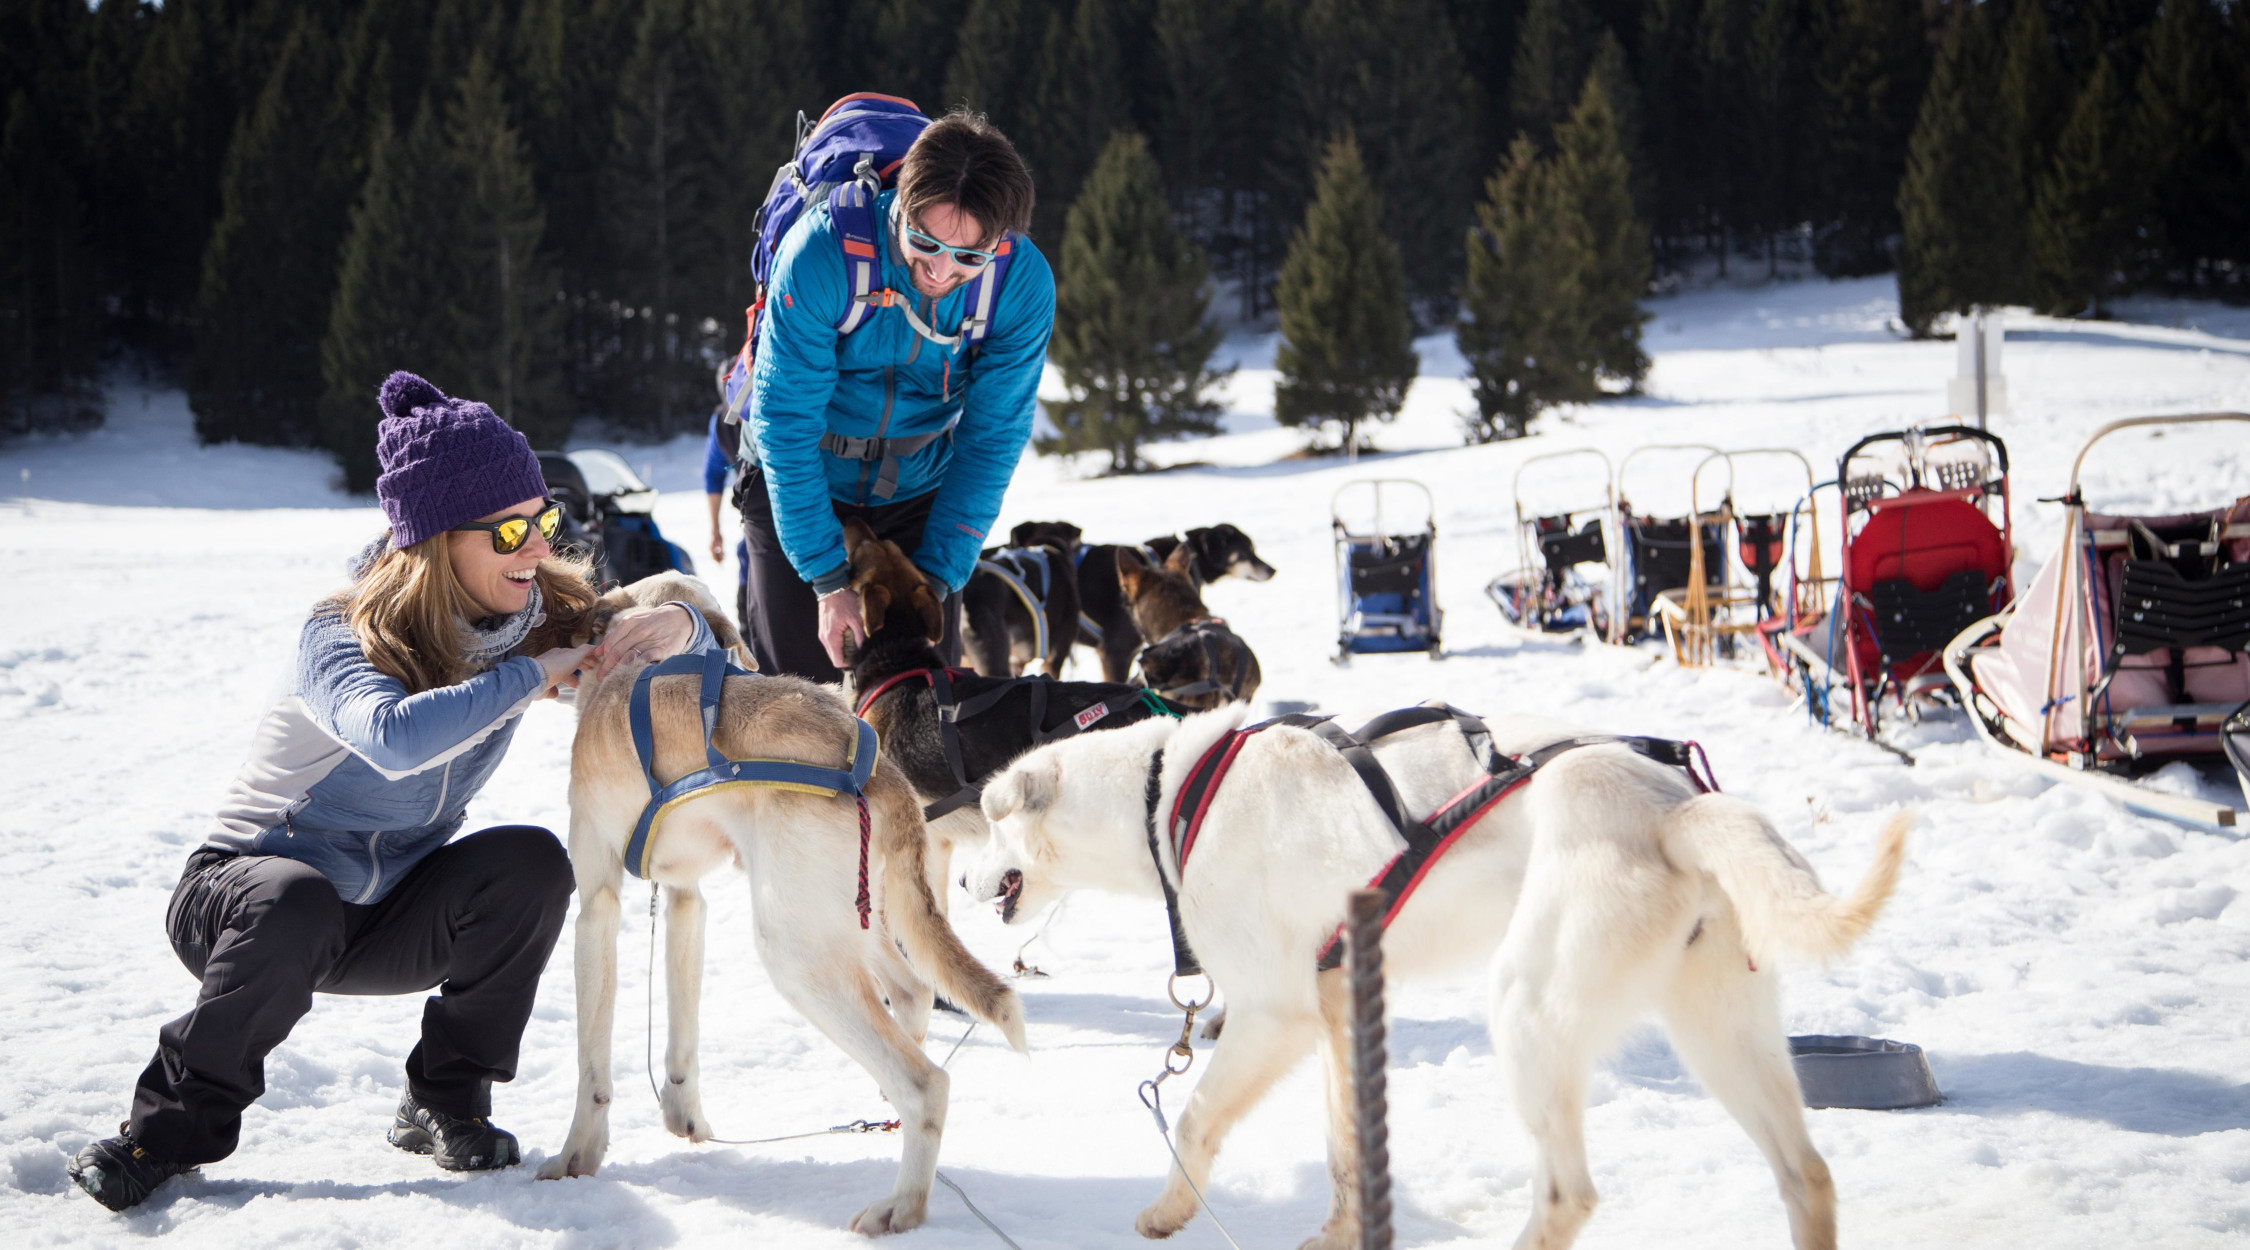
(887, 450)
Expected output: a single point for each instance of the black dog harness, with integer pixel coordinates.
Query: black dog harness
(1031, 575)
(1212, 634)
(1426, 838)
(722, 773)
(951, 713)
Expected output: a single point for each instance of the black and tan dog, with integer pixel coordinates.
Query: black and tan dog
(1105, 620)
(949, 729)
(1020, 606)
(1195, 659)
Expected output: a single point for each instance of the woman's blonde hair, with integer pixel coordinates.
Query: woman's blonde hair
(412, 615)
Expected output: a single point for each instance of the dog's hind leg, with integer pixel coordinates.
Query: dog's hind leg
(910, 996)
(1342, 1230)
(682, 1098)
(1257, 1049)
(825, 981)
(1725, 1022)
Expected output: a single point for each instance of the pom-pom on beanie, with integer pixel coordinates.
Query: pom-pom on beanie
(445, 461)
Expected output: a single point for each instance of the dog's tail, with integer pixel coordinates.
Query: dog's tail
(1777, 898)
(912, 914)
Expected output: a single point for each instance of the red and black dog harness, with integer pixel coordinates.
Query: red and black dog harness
(1427, 838)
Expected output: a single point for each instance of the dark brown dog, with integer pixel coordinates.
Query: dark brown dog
(998, 631)
(1196, 659)
(1105, 618)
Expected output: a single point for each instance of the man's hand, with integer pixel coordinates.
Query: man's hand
(718, 550)
(839, 615)
(644, 634)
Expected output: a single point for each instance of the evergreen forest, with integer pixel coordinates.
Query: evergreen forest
(547, 203)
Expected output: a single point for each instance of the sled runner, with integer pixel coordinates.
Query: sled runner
(1386, 582)
(2129, 650)
(1550, 592)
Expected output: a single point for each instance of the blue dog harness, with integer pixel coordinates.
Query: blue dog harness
(725, 774)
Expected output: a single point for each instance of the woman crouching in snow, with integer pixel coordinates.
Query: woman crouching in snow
(335, 867)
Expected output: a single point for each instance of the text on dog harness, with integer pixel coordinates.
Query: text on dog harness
(722, 773)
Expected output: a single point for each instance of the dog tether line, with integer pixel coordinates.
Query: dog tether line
(648, 1058)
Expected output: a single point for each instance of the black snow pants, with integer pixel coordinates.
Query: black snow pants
(478, 917)
(780, 612)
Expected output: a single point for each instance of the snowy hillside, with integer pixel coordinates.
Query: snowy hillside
(2079, 974)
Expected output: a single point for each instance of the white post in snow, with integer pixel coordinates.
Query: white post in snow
(1980, 390)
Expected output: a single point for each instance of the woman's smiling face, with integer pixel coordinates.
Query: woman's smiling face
(498, 584)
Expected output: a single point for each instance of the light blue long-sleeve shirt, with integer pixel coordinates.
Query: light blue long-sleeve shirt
(353, 775)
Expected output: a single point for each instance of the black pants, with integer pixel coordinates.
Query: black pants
(780, 612)
(264, 932)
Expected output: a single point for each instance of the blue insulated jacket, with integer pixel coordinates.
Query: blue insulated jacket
(883, 380)
(356, 777)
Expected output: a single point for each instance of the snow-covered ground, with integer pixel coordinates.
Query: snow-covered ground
(2079, 974)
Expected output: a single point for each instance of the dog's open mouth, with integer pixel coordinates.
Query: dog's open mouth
(1011, 890)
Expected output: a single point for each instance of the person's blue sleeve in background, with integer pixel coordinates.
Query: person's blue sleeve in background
(995, 422)
(714, 460)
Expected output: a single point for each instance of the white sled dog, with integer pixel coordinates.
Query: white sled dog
(801, 854)
(1606, 886)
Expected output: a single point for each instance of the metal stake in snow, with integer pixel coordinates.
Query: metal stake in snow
(1370, 1056)
(1980, 391)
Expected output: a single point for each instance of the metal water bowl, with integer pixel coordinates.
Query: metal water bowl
(1866, 1073)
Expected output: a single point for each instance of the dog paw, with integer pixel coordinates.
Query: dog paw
(1333, 1236)
(1161, 1219)
(683, 1116)
(569, 1163)
(892, 1215)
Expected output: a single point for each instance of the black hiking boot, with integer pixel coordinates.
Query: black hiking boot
(455, 1143)
(119, 1174)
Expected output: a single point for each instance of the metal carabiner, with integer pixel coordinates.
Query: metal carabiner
(1171, 992)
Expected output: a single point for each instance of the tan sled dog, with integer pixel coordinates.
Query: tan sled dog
(1603, 889)
(801, 855)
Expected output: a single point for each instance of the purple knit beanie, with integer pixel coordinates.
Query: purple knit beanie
(445, 461)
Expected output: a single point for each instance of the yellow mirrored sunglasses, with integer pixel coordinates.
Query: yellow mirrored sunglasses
(509, 534)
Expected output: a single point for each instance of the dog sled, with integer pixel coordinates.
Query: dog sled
(1386, 580)
(1666, 559)
(1549, 594)
(2130, 649)
(1926, 541)
(1706, 617)
(610, 513)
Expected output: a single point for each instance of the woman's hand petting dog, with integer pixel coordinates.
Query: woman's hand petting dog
(561, 666)
(644, 634)
(839, 615)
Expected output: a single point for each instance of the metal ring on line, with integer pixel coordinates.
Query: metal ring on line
(1174, 994)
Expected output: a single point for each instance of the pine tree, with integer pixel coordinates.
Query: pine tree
(49, 318)
(505, 324)
(1133, 337)
(1554, 47)
(1954, 202)
(2033, 94)
(1779, 88)
(269, 273)
(392, 308)
(1406, 105)
(2087, 204)
(996, 60)
(656, 379)
(1676, 138)
(1593, 181)
(1527, 332)
(1077, 98)
(905, 46)
(1871, 60)
(1347, 341)
(2181, 115)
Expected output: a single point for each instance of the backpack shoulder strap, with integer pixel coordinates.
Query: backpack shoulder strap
(984, 297)
(852, 209)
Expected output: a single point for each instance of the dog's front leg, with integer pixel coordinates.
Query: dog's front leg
(1257, 1049)
(1342, 1229)
(595, 944)
(683, 997)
